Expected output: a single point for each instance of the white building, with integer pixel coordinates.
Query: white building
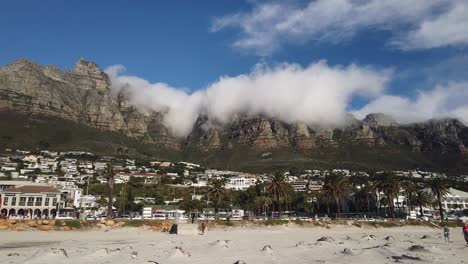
(240, 183)
(299, 185)
(455, 199)
(88, 201)
(148, 200)
(30, 201)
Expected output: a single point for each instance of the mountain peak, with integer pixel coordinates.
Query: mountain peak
(379, 120)
(91, 69)
(85, 67)
(19, 64)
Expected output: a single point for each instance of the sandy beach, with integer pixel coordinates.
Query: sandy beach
(341, 244)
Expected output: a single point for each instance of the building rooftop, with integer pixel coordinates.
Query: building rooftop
(32, 189)
(458, 193)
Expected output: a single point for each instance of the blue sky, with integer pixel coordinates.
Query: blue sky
(190, 44)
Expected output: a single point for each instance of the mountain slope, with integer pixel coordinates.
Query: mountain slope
(46, 107)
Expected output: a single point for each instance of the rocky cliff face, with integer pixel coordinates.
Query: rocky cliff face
(82, 95)
(375, 130)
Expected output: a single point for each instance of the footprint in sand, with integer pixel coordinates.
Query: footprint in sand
(220, 243)
(326, 239)
(180, 253)
(267, 249)
(300, 244)
(369, 237)
(347, 251)
(58, 255)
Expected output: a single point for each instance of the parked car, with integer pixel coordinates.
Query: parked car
(159, 217)
(91, 217)
(64, 217)
(125, 217)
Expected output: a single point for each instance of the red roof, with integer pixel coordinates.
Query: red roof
(140, 174)
(32, 189)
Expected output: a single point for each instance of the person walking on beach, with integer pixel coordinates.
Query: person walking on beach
(447, 235)
(203, 227)
(465, 233)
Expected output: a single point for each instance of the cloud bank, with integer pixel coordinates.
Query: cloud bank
(318, 95)
(415, 24)
(450, 101)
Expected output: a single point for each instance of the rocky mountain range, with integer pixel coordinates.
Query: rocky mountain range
(46, 107)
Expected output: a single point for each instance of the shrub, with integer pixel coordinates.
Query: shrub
(58, 223)
(73, 223)
(452, 224)
(228, 223)
(133, 223)
(273, 222)
(385, 224)
(298, 222)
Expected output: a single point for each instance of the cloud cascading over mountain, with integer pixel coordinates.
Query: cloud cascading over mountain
(447, 101)
(319, 94)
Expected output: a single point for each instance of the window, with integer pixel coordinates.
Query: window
(54, 202)
(22, 201)
(13, 201)
(47, 201)
(30, 201)
(5, 201)
(38, 201)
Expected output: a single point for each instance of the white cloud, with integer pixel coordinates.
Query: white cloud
(416, 24)
(448, 29)
(317, 95)
(450, 101)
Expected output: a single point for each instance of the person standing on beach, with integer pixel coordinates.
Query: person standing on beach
(447, 235)
(465, 232)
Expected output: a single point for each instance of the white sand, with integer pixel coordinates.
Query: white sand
(287, 245)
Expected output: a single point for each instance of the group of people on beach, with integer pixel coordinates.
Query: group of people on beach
(447, 234)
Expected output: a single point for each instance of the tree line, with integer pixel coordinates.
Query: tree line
(373, 194)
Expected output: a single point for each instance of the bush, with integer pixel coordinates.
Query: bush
(273, 222)
(58, 223)
(228, 223)
(133, 223)
(298, 222)
(385, 224)
(453, 224)
(73, 223)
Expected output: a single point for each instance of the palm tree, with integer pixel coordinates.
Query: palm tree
(369, 189)
(263, 202)
(387, 183)
(278, 189)
(216, 191)
(109, 174)
(357, 183)
(338, 186)
(422, 198)
(439, 187)
(325, 195)
(410, 189)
